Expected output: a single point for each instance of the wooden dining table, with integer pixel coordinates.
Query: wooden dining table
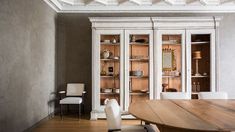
(187, 115)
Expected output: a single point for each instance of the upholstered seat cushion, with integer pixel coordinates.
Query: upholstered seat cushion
(71, 100)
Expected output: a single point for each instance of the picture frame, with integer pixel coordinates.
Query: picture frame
(168, 60)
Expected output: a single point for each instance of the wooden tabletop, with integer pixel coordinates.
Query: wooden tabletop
(187, 115)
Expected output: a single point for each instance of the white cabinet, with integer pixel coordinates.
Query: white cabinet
(138, 66)
(137, 58)
(122, 59)
(185, 54)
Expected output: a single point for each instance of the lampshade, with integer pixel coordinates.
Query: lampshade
(197, 55)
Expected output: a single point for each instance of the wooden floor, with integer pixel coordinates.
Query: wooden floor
(72, 124)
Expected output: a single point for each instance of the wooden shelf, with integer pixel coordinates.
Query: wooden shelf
(173, 44)
(139, 44)
(168, 42)
(109, 59)
(200, 42)
(199, 76)
(139, 76)
(141, 60)
(111, 93)
(109, 76)
(111, 44)
(139, 93)
(170, 76)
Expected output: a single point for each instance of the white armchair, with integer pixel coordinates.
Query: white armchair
(74, 96)
(113, 115)
(212, 95)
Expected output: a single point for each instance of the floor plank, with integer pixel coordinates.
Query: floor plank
(71, 124)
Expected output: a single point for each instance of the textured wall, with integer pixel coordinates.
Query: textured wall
(74, 50)
(227, 55)
(27, 62)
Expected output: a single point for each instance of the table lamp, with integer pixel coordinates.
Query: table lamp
(197, 56)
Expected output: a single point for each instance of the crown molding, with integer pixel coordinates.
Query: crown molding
(142, 6)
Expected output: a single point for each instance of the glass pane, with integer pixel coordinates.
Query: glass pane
(139, 67)
(171, 63)
(109, 68)
(200, 48)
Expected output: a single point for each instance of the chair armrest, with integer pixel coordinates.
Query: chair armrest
(62, 92)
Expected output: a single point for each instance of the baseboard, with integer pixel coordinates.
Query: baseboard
(30, 129)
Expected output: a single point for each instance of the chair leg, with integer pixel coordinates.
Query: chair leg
(83, 111)
(79, 111)
(61, 112)
(67, 108)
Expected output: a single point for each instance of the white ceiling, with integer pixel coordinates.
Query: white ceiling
(142, 6)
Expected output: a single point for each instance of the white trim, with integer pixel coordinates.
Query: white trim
(53, 5)
(158, 56)
(127, 69)
(213, 53)
(96, 69)
(177, 6)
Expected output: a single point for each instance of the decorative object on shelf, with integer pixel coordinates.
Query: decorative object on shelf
(171, 90)
(204, 74)
(197, 56)
(107, 41)
(132, 37)
(171, 73)
(105, 54)
(194, 87)
(198, 87)
(137, 73)
(168, 59)
(176, 73)
(116, 90)
(110, 69)
(116, 57)
(164, 86)
(143, 90)
(103, 72)
(106, 90)
(140, 40)
(114, 41)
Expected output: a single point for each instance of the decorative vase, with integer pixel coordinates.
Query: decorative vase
(106, 54)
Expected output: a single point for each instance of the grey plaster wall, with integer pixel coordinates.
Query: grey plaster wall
(227, 55)
(74, 50)
(27, 62)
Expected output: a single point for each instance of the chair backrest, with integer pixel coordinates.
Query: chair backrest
(75, 89)
(174, 95)
(113, 114)
(212, 95)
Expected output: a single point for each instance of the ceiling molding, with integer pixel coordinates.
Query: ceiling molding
(142, 6)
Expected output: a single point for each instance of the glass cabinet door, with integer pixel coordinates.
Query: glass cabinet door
(110, 67)
(201, 47)
(173, 61)
(139, 65)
